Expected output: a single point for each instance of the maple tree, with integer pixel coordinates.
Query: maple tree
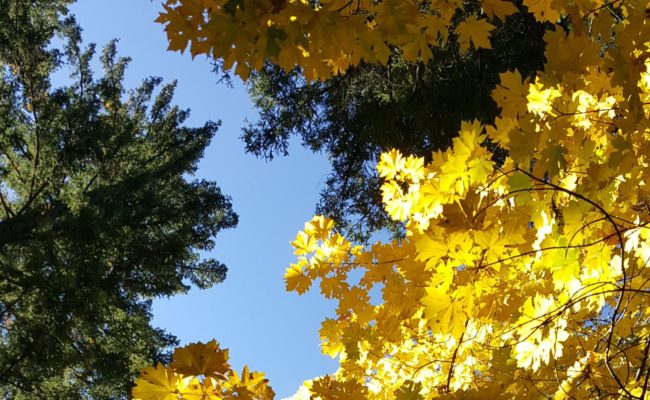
(522, 276)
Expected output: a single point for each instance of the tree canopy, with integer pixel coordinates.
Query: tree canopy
(99, 213)
(414, 107)
(409, 102)
(522, 274)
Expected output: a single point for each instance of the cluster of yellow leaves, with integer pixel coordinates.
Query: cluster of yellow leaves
(524, 277)
(323, 37)
(200, 372)
(326, 37)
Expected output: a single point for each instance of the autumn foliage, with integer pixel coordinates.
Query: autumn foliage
(200, 371)
(524, 271)
(324, 39)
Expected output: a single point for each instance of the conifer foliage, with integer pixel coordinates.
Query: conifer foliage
(98, 211)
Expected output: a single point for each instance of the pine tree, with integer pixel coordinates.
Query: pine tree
(99, 212)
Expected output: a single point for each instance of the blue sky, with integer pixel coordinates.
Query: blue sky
(250, 313)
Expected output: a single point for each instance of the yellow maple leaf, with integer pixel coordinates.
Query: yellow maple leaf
(469, 138)
(510, 94)
(418, 49)
(319, 227)
(542, 10)
(333, 286)
(409, 391)
(498, 8)
(304, 243)
(541, 98)
(330, 335)
(159, 383)
(474, 30)
(328, 388)
(296, 280)
(443, 315)
(201, 359)
(250, 386)
(499, 133)
(479, 169)
(390, 164)
(205, 390)
(429, 249)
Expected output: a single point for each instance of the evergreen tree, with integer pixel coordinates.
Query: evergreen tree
(99, 213)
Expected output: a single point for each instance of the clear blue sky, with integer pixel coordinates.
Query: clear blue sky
(250, 313)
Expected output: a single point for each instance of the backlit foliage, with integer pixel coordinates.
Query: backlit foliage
(520, 276)
(324, 37)
(200, 372)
